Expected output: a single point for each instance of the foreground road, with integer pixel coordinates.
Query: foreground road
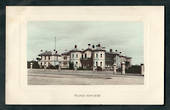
(69, 77)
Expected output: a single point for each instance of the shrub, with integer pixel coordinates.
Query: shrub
(134, 69)
(35, 64)
(51, 67)
(56, 66)
(80, 68)
(71, 65)
(99, 68)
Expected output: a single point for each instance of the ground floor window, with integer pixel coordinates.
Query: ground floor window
(65, 63)
(100, 63)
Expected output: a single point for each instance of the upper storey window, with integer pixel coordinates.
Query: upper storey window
(65, 58)
(96, 55)
(101, 55)
(72, 55)
(76, 55)
(85, 55)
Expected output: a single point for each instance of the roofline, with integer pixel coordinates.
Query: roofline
(75, 51)
(87, 50)
(65, 53)
(99, 50)
(112, 53)
(50, 55)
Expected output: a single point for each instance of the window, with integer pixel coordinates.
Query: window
(96, 64)
(49, 57)
(76, 55)
(72, 55)
(65, 63)
(45, 57)
(85, 55)
(82, 56)
(100, 63)
(101, 55)
(76, 63)
(96, 55)
(65, 58)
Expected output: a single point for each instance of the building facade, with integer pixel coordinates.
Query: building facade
(90, 58)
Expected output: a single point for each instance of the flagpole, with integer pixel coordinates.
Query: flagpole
(55, 42)
(55, 51)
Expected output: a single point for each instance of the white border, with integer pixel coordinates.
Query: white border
(17, 90)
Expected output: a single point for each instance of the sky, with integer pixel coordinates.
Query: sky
(126, 37)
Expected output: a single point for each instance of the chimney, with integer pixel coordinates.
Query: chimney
(98, 45)
(55, 51)
(75, 46)
(89, 45)
(120, 52)
(93, 46)
(110, 50)
(115, 50)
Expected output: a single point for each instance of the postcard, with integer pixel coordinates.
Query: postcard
(102, 55)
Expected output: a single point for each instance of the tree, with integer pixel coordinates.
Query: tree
(35, 64)
(71, 65)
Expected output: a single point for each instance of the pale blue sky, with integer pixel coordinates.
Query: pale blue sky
(123, 36)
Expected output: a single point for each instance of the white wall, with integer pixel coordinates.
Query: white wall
(67, 60)
(54, 60)
(76, 58)
(98, 58)
(88, 54)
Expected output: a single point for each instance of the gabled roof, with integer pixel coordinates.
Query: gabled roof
(99, 49)
(88, 49)
(125, 56)
(46, 53)
(56, 54)
(114, 53)
(75, 50)
(128, 57)
(66, 53)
